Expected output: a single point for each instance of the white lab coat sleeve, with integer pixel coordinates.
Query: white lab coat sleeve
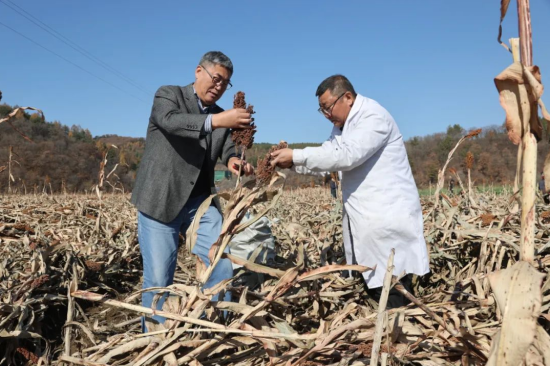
(369, 134)
(301, 169)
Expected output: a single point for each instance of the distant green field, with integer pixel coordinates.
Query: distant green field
(487, 188)
(220, 175)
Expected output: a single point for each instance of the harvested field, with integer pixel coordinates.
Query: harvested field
(303, 310)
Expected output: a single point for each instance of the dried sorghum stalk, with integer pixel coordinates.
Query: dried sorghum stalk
(243, 137)
(469, 160)
(474, 133)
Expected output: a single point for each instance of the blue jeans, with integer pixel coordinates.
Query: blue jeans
(158, 243)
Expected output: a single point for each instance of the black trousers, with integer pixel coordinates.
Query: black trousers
(395, 298)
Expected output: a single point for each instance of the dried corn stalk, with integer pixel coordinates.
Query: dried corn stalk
(441, 173)
(303, 309)
(520, 90)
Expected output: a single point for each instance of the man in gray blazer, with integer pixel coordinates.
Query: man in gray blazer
(186, 135)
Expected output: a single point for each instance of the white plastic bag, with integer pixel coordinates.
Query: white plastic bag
(254, 242)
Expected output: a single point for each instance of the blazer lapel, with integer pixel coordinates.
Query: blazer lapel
(190, 99)
(193, 106)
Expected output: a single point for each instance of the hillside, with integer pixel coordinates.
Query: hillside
(67, 159)
(494, 155)
(63, 158)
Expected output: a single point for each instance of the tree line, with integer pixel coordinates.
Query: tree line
(67, 159)
(494, 156)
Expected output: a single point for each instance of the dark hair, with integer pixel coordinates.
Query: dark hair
(336, 84)
(217, 58)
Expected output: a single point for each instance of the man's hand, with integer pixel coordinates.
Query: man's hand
(232, 118)
(234, 163)
(282, 158)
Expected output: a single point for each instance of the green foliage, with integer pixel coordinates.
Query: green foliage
(455, 131)
(414, 142)
(80, 134)
(5, 110)
(444, 147)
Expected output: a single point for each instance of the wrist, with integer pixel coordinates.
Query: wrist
(214, 122)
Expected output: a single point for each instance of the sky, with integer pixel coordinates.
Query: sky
(430, 63)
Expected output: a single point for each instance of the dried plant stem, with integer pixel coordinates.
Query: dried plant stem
(79, 361)
(240, 167)
(382, 310)
(525, 33)
(352, 326)
(9, 169)
(191, 355)
(529, 141)
(127, 347)
(514, 43)
(470, 196)
(469, 185)
(399, 287)
(528, 198)
(517, 178)
(70, 309)
(441, 174)
(459, 180)
(119, 304)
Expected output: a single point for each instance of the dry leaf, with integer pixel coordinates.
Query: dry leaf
(518, 293)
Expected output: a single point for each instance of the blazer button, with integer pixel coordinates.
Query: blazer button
(192, 183)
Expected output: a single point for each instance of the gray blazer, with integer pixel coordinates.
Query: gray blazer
(175, 147)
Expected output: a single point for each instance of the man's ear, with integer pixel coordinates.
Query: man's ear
(198, 71)
(348, 97)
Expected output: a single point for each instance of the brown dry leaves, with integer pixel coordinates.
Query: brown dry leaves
(300, 308)
(517, 292)
(520, 90)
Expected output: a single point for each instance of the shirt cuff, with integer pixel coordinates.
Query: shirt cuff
(229, 157)
(298, 157)
(208, 124)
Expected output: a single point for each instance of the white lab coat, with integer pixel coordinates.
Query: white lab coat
(381, 202)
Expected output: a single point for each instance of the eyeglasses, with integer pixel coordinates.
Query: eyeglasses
(218, 80)
(327, 112)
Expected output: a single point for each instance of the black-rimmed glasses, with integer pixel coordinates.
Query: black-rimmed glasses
(328, 111)
(218, 80)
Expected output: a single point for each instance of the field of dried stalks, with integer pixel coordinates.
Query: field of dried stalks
(70, 290)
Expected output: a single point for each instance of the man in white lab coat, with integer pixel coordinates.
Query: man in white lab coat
(381, 203)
